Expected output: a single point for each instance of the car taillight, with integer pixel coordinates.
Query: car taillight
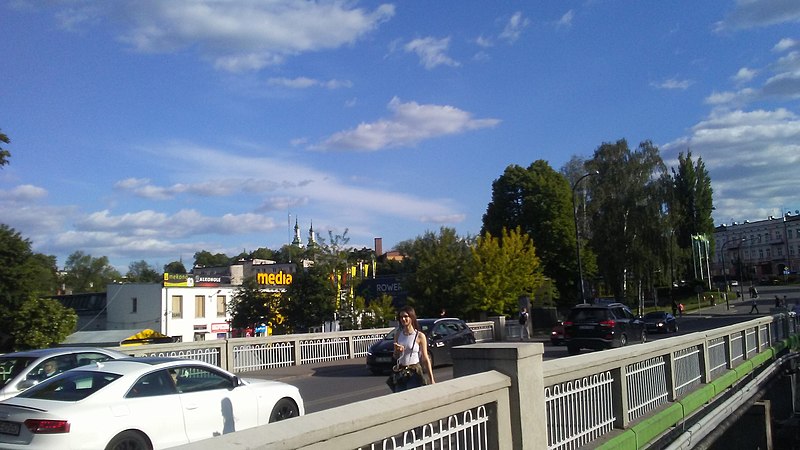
(41, 426)
(568, 324)
(607, 323)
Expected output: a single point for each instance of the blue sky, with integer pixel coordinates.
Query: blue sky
(150, 130)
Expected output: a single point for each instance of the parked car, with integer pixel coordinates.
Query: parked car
(557, 334)
(443, 334)
(601, 326)
(660, 322)
(141, 403)
(21, 370)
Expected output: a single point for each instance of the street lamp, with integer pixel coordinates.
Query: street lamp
(577, 234)
(724, 269)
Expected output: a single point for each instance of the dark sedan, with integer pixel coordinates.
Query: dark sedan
(660, 322)
(443, 334)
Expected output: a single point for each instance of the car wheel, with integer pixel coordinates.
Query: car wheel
(285, 408)
(623, 340)
(572, 350)
(675, 328)
(129, 440)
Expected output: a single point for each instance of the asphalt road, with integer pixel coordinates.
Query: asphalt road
(337, 383)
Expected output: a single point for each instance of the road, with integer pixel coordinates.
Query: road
(337, 383)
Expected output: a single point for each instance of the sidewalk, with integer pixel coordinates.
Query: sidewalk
(306, 370)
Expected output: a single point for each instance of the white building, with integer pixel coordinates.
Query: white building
(759, 250)
(185, 313)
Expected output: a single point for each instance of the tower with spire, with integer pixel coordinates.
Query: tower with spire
(312, 238)
(297, 241)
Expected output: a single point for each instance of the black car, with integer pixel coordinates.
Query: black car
(660, 322)
(443, 334)
(601, 326)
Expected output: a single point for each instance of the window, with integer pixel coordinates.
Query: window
(789, 233)
(134, 304)
(152, 384)
(196, 379)
(760, 254)
(221, 306)
(769, 254)
(778, 235)
(177, 306)
(199, 306)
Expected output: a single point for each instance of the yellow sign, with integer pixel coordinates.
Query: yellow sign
(272, 279)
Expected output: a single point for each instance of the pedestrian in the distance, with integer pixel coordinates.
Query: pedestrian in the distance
(754, 306)
(523, 321)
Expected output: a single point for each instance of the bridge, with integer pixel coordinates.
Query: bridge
(673, 393)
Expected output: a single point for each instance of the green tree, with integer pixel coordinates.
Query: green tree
(41, 323)
(690, 207)
(87, 274)
(379, 313)
(4, 154)
(439, 266)
(142, 272)
(538, 200)
(175, 267)
(204, 258)
(504, 269)
(310, 299)
(252, 305)
(625, 210)
(24, 278)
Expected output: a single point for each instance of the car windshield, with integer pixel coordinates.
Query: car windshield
(11, 366)
(655, 315)
(71, 386)
(588, 315)
(423, 326)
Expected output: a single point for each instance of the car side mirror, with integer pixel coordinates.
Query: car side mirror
(27, 383)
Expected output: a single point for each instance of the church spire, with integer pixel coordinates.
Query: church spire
(297, 241)
(312, 238)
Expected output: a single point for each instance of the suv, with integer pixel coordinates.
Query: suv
(601, 326)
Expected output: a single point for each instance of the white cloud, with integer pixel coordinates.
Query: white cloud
(514, 28)
(785, 44)
(751, 156)
(233, 36)
(411, 123)
(23, 193)
(744, 75)
(566, 20)
(304, 83)
(760, 13)
(672, 84)
(431, 52)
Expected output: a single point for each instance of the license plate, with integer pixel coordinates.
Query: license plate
(384, 359)
(9, 428)
(586, 327)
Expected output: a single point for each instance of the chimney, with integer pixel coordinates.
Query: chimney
(378, 246)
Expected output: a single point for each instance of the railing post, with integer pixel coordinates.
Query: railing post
(669, 375)
(619, 394)
(351, 346)
(522, 362)
(298, 354)
(499, 328)
(705, 364)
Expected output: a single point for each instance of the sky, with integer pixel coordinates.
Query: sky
(151, 130)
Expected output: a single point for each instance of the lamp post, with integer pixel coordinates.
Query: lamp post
(577, 234)
(724, 269)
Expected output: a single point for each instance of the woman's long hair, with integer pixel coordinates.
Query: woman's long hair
(412, 315)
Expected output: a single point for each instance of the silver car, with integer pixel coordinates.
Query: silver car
(21, 370)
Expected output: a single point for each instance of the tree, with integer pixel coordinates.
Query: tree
(24, 278)
(4, 154)
(504, 269)
(538, 200)
(310, 299)
(175, 267)
(204, 258)
(142, 272)
(625, 210)
(690, 206)
(41, 323)
(252, 305)
(439, 266)
(379, 313)
(87, 274)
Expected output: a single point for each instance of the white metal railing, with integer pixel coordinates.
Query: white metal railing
(263, 356)
(717, 356)
(579, 411)
(466, 430)
(647, 386)
(688, 369)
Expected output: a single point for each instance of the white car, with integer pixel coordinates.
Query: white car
(141, 403)
(21, 370)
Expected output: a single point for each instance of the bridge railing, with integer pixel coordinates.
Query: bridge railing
(504, 395)
(261, 353)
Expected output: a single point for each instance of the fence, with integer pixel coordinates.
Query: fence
(505, 396)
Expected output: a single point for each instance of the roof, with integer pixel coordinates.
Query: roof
(115, 338)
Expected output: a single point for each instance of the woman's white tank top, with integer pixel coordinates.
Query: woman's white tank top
(411, 349)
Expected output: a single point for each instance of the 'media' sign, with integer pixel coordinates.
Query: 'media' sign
(274, 279)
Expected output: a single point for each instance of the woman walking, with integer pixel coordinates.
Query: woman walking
(410, 349)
